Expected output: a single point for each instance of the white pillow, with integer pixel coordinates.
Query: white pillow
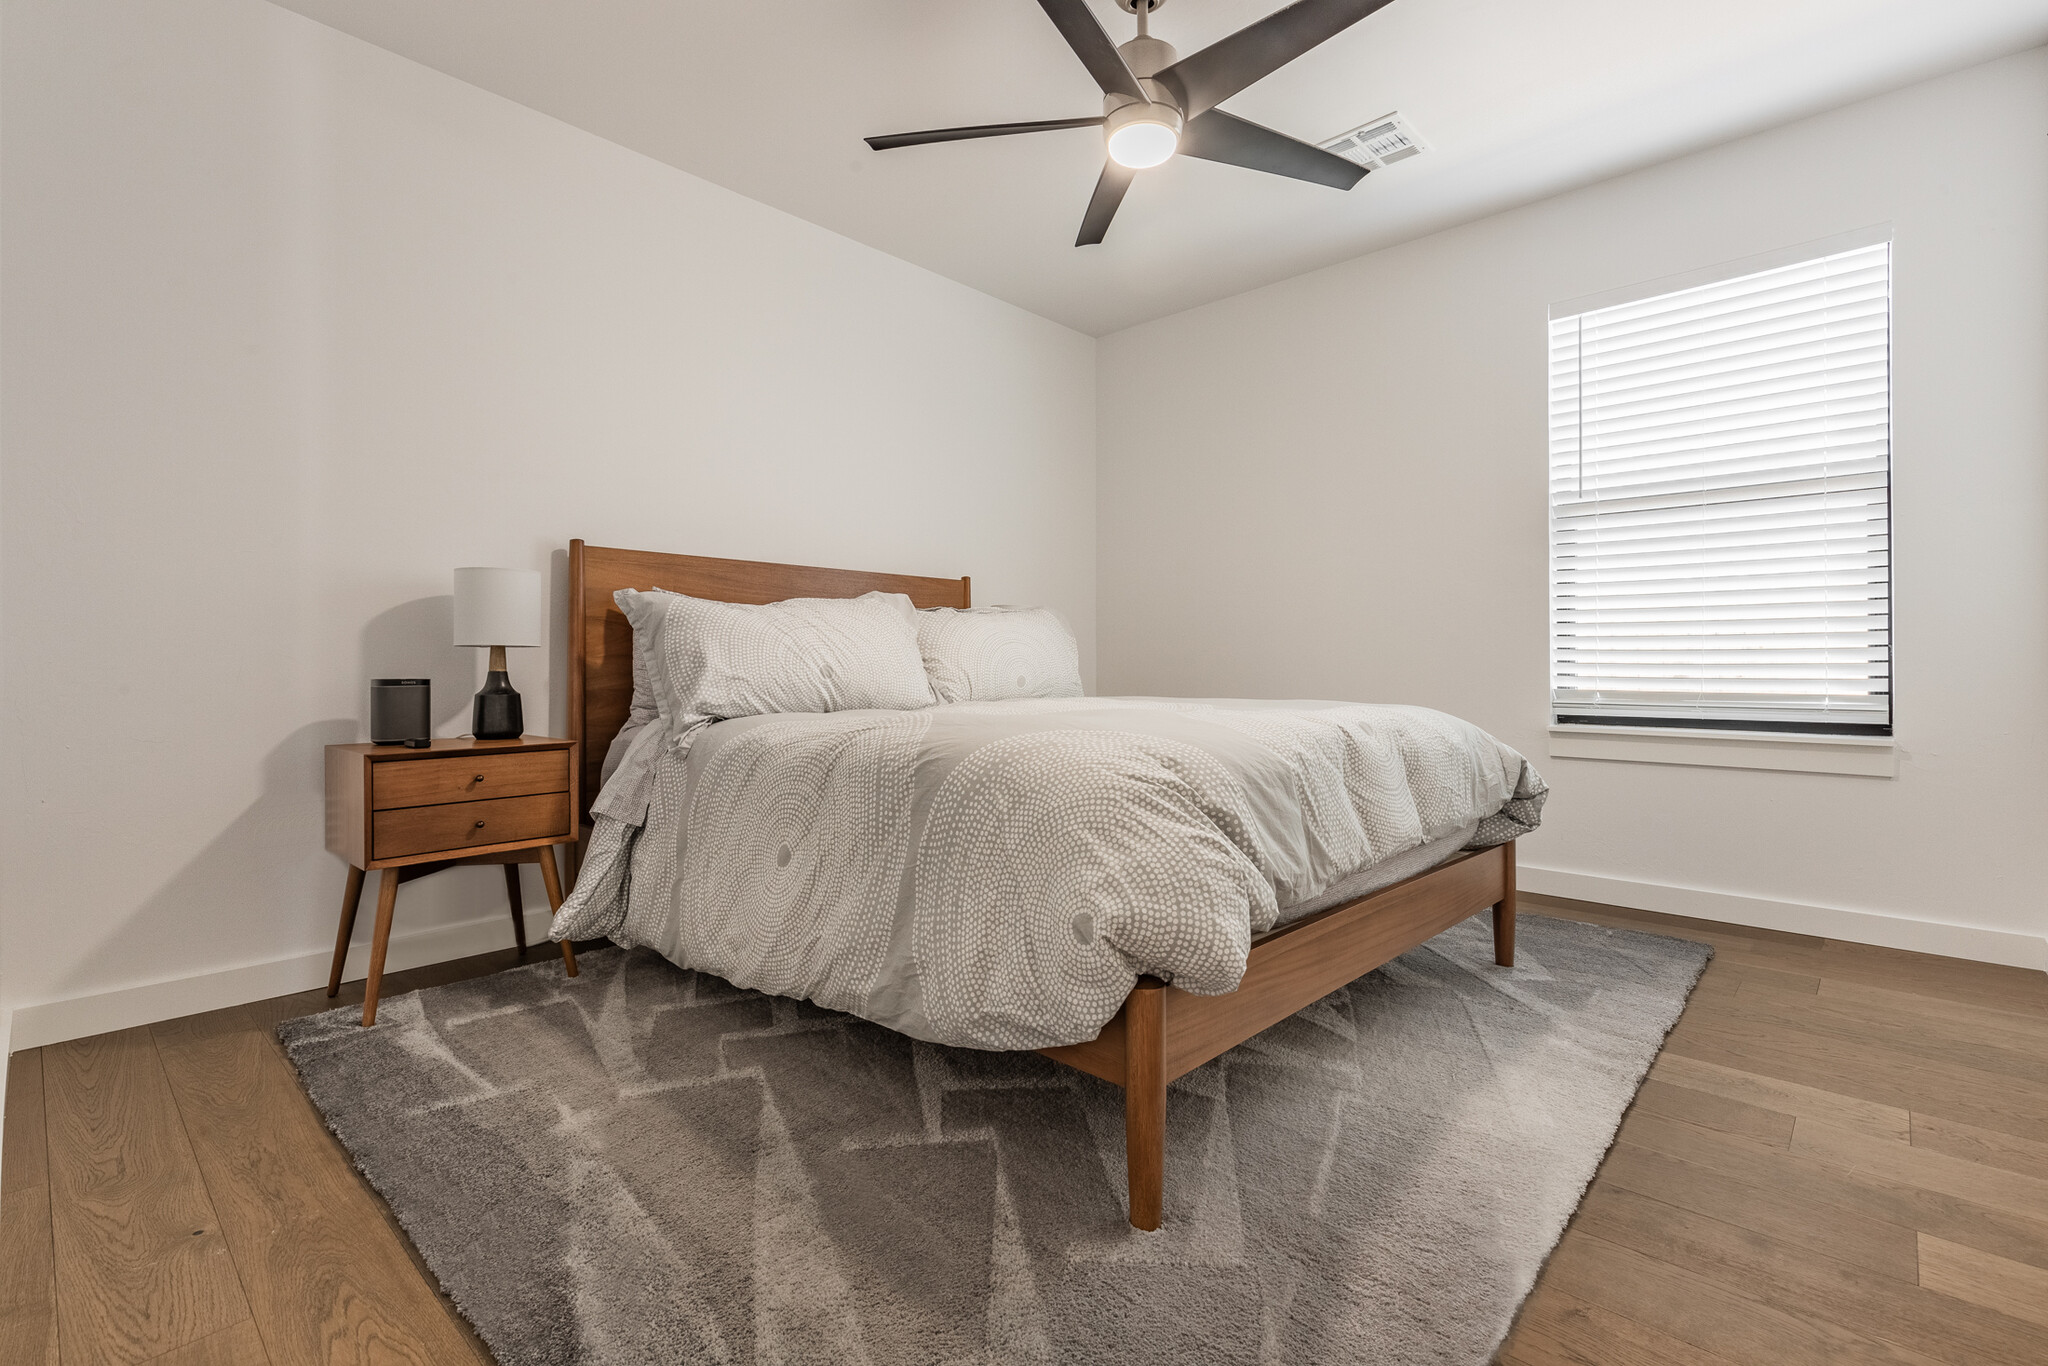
(985, 654)
(719, 660)
(645, 709)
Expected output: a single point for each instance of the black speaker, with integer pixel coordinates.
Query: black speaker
(401, 712)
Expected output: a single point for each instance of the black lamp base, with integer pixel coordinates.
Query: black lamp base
(497, 714)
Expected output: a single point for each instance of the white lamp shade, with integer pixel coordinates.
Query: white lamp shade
(500, 607)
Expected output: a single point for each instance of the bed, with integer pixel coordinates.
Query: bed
(1161, 1030)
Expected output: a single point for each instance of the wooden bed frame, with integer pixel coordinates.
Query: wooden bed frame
(1161, 1032)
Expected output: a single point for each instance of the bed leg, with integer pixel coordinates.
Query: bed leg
(1504, 910)
(1145, 1103)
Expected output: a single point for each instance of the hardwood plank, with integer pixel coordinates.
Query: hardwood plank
(28, 1283)
(24, 1160)
(1558, 1327)
(1532, 1349)
(141, 1266)
(1784, 1097)
(1714, 1112)
(1802, 1281)
(1755, 979)
(328, 1278)
(1865, 1070)
(1986, 1147)
(1763, 956)
(2021, 990)
(240, 1345)
(1906, 1165)
(1708, 1314)
(1923, 1037)
(1736, 947)
(2011, 1288)
(273, 1012)
(2015, 1029)
(1795, 1176)
(1657, 922)
(268, 1014)
(1873, 1244)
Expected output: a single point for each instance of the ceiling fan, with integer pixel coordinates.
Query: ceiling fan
(1156, 102)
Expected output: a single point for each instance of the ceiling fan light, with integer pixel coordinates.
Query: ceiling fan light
(1141, 145)
(1143, 135)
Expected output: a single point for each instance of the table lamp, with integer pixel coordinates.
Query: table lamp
(500, 608)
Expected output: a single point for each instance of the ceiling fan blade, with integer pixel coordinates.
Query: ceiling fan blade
(1217, 136)
(1205, 79)
(1083, 32)
(1109, 192)
(979, 130)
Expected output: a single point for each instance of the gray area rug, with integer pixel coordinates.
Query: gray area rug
(650, 1165)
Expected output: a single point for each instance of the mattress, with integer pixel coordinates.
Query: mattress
(999, 874)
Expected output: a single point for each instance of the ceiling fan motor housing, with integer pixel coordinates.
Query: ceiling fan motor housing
(1145, 57)
(1148, 56)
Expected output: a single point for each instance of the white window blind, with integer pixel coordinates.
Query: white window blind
(1720, 461)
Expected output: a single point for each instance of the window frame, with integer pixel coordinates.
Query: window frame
(1819, 745)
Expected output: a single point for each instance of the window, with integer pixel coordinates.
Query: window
(1720, 502)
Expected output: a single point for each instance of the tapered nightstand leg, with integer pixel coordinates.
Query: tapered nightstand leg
(518, 906)
(350, 895)
(387, 901)
(554, 886)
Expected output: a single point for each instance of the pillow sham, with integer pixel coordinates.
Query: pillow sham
(986, 654)
(717, 660)
(644, 709)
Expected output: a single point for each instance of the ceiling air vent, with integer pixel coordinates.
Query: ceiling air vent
(1379, 143)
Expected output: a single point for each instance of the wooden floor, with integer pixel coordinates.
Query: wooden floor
(1841, 1156)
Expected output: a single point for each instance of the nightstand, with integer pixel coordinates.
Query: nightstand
(411, 812)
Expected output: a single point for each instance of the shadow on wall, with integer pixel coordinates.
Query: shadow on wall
(273, 855)
(416, 640)
(278, 842)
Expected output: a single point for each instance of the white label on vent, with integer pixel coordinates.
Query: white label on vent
(1382, 142)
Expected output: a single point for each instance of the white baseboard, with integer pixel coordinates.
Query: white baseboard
(47, 1022)
(1832, 922)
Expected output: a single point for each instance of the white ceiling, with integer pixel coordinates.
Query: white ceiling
(1518, 100)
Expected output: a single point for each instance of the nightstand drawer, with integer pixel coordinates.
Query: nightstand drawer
(457, 826)
(463, 778)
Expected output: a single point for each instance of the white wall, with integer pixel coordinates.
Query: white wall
(293, 326)
(1334, 486)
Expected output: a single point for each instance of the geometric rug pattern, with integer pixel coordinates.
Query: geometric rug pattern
(644, 1164)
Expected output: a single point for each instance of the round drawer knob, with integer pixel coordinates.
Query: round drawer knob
(479, 778)
(479, 825)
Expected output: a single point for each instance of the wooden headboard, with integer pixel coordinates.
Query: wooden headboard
(601, 642)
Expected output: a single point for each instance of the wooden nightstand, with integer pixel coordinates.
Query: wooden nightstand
(411, 812)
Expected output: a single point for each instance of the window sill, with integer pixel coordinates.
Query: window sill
(1862, 756)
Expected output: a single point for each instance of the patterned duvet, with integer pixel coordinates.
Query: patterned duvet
(998, 874)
